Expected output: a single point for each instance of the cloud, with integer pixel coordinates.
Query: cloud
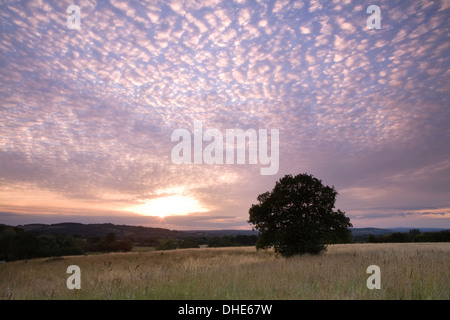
(88, 114)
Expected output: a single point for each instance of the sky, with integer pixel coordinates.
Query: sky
(88, 111)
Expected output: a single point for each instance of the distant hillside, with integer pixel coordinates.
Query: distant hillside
(135, 233)
(102, 229)
(221, 233)
(362, 234)
(140, 233)
(368, 231)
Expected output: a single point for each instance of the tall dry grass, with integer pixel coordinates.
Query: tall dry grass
(408, 271)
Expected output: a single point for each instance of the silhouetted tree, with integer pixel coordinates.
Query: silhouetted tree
(16, 243)
(442, 236)
(71, 246)
(124, 245)
(167, 244)
(372, 239)
(188, 243)
(413, 233)
(110, 237)
(297, 216)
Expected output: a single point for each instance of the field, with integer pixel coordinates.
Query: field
(408, 271)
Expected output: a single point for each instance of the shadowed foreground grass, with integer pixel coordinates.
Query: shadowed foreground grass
(408, 271)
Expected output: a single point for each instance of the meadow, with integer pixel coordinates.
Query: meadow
(408, 271)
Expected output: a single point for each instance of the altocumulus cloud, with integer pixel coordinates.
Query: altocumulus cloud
(86, 115)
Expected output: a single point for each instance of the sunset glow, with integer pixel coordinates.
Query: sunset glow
(172, 205)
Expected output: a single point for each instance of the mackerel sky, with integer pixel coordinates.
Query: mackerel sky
(86, 115)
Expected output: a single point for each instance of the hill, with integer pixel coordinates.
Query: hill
(134, 233)
(160, 238)
(142, 234)
(363, 234)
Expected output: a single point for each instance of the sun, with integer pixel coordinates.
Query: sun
(168, 206)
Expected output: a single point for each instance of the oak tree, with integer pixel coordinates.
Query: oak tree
(298, 216)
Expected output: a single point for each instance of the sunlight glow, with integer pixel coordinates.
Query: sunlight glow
(167, 206)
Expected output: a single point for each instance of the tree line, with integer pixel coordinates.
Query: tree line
(213, 242)
(414, 235)
(17, 243)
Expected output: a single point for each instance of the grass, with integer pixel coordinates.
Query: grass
(408, 271)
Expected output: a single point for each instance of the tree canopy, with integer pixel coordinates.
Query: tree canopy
(297, 216)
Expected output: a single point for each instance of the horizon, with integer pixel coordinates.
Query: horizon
(238, 229)
(178, 114)
(202, 230)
